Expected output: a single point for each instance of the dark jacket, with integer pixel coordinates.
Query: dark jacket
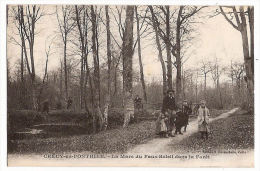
(168, 103)
(183, 116)
(186, 110)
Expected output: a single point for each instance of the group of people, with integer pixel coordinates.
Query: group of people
(172, 119)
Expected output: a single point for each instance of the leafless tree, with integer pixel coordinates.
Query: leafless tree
(160, 55)
(140, 55)
(185, 14)
(176, 28)
(96, 76)
(109, 62)
(205, 69)
(216, 72)
(28, 20)
(242, 16)
(127, 53)
(48, 53)
(17, 21)
(66, 25)
(165, 36)
(82, 25)
(237, 73)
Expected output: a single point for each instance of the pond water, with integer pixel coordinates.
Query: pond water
(50, 130)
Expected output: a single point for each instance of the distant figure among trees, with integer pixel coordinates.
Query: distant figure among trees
(69, 103)
(138, 106)
(45, 107)
(138, 103)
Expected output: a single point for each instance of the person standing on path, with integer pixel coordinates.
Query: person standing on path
(169, 109)
(203, 120)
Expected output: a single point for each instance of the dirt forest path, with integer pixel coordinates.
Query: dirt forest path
(155, 146)
(160, 145)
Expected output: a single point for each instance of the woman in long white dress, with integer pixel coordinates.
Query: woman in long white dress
(203, 120)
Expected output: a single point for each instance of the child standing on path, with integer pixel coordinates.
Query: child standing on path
(161, 127)
(203, 120)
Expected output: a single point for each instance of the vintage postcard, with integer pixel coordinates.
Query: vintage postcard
(130, 85)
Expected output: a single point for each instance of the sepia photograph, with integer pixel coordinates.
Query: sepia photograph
(130, 85)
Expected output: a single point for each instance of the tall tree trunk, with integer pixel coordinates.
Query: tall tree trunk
(81, 80)
(218, 88)
(34, 96)
(168, 49)
(85, 73)
(140, 56)
(127, 53)
(29, 33)
(251, 26)
(183, 84)
(96, 82)
(85, 83)
(115, 81)
(22, 79)
(178, 56)
(65, 67)
(97, 51)
(22, 67)
(108, 98)
(252, 57)
(247, 58)
(205, 85)
(43, 81)
(82, 61)
(61, 78)
(160, 56)
(196, 87)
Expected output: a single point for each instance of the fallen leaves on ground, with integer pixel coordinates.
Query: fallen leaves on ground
(231, 133)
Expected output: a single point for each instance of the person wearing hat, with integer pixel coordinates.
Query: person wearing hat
(203, 120)
(169, 109)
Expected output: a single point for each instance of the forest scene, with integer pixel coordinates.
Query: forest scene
(94, 78)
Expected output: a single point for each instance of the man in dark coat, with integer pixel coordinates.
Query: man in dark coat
(169, 109)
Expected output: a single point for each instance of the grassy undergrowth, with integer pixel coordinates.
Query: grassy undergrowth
(231, 133)
(115, 140)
